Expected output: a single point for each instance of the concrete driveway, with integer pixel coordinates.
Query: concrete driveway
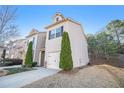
(24, 78)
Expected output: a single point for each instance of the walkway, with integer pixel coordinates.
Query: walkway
(24, 78)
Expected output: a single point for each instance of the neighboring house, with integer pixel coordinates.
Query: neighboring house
(38, 40)
(113, 34)
(16, 49)
(54, 38)
(121, 38)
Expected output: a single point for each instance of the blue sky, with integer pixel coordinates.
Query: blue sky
(92, 18)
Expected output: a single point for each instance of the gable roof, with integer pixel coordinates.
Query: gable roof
(64, 20)
(59, 14)
(33, 32)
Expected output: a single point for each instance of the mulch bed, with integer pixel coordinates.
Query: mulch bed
(73, 71)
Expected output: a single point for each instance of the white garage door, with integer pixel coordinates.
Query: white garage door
(53, 60)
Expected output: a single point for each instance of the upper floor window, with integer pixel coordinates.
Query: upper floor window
(59, 31)
(51, 34)
(56, 32)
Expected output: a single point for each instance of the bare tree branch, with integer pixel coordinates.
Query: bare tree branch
(7, 28)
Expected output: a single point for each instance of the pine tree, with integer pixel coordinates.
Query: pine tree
(29, 56)
(66, 62)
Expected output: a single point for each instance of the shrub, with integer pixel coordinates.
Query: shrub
(10, 62)
(66, 62)
(17, 70)
(34, 64)
(29, 56)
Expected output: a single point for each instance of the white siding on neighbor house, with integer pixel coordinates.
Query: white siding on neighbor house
(16, 49)
(29, 39)
(39, 44)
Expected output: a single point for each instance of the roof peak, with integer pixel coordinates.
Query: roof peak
(33, 32)
(58, 17)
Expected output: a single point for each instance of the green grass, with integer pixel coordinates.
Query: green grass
(17, 70)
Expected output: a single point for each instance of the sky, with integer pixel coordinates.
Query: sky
(92, 18)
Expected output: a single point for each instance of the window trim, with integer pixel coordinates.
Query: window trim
(50, 35)
(55, 33)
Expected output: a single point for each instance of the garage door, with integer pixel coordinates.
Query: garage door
(53, 60)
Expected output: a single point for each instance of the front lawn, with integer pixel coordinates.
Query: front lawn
(88, 77)
(17, 70)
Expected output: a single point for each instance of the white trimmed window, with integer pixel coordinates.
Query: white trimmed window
(56, 33)
(52, 34)
(59, 31)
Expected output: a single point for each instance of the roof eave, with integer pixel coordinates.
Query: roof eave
(67, 19)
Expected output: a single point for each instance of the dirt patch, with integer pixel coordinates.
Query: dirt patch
(117, 73)
(115, 66)
(89, 77)
(69, 72)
